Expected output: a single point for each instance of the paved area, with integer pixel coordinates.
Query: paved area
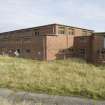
(44, 99)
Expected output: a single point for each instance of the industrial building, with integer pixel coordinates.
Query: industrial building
(54, 41)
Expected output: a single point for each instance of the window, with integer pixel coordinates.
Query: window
(103, 52)
(61, 32)
(71, 49)
(89, 33)
(28, 50)
(36, 33)
(27, 37)
(49, 31)
(18, 50)
(84, 33)
(82, 52)
(82, 39)
(71, 31)
(61, 27)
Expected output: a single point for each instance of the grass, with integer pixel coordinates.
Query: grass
(73, 77)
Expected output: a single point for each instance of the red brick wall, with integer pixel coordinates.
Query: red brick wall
(59, 44)
(56, 44)
(97, 44)
(83, 42)
(45, 46)
(24, 41)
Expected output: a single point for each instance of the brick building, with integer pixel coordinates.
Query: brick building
(54, 41)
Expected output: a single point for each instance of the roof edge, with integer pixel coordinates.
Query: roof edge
(44, 26)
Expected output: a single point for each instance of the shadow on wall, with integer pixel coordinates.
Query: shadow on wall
(65, 53)
(81, 49)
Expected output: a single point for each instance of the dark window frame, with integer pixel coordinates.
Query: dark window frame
(28, 50)
(82, 52)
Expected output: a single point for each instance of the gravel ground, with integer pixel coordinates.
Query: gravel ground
(44, 99)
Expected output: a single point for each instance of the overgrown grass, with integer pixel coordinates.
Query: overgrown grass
(62, 77)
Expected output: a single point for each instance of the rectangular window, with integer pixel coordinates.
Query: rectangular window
(36, 32)
(25, 38)
(89, 33)
(84, 33)
(70, 49)
(82, 52)
(61, 32)
(28, 50)
(71, 31)
(18, 50)
(61, 27)
(83, 40)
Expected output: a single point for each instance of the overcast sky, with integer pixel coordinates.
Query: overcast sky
(17, 14)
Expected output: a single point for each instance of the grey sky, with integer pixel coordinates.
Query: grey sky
(17, 14)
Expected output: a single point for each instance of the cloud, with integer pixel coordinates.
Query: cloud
(16, 14)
